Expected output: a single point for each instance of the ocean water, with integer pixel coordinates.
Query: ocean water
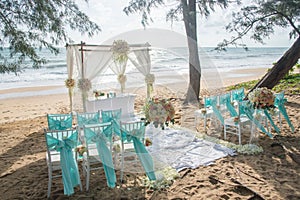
(164, 62)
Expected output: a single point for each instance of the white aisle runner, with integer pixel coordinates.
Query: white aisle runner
(180, 149)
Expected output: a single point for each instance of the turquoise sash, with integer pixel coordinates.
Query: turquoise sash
(238, 94)
(216, 110)
(114, 117)
(246, 108)
(101, 139)
(68, 164)
(279, 103)
(225, 100)
(82, 120)
(141, 150)
(59, 124)
(271, 120)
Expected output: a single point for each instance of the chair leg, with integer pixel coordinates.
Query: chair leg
(239, 135)
(87, 177)
(49, 182)
(224, 131)
(122, 163)
(205, 121)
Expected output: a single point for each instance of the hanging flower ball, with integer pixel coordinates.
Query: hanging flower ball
(84, 84)
(70, 83)
(120, 49)
(262, 98)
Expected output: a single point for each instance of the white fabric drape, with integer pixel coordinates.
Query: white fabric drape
(88, 61)
(144, 66)
(71, 50)
(119, 69)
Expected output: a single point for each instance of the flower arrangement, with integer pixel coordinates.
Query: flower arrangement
(148, 142)
(120, 49)
(84, 84)
(98, 94)
(262, 98)
(159, 111)
(70, 83)
(80, 150)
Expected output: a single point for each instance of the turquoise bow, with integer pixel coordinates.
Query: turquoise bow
(104, 154)
(59, 124)
(84, 120)
(114, 118)
(70, 174)
(225, 99)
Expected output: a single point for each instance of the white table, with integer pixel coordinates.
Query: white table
(123, 101)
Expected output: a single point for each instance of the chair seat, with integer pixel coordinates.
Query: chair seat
(230, 121)
(199, 113)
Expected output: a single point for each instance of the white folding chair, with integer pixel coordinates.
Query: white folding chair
(133, 150)
(98, 142)
(62, 159)
(233, 125)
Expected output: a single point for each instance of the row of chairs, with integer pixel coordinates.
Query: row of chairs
(241, 113)
(98, 135)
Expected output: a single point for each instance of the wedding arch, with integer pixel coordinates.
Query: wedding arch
(85, 62)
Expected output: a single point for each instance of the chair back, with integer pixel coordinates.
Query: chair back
(209, 101)
(113, 116)
(225, 100)
(88, 118)
(93, 131)
(238, 95)
(245, 108)
(133, 129)
(60, 121)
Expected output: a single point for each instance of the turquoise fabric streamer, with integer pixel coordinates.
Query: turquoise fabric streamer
(246, 108)
(238, 94)
(140, 149)
(55, 123)
(100, 138)
(70, 174)
(279, 103)
(225, 100)
(216, 110)
(271, 120)
(82, 119)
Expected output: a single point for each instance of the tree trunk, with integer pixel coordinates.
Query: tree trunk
(281, 68)
(189, 18)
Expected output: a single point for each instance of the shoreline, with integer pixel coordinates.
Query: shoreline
(221, 79)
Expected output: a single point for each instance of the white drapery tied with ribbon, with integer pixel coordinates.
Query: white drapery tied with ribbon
(149, 79)
(122, 80)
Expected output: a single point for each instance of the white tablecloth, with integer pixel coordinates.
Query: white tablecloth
(123, 101)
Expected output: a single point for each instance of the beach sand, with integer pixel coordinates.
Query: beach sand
(273, 174)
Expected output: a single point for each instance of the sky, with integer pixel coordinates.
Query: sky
(109, 15)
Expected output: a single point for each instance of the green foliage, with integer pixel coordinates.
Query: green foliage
(29, 25)
(261, 18)
(143, 7)
(290, 84)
